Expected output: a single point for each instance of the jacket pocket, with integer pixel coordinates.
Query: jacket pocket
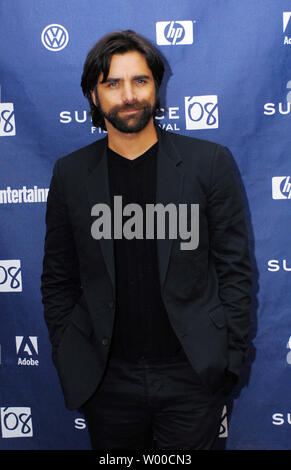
(218, 317)
(81, 320)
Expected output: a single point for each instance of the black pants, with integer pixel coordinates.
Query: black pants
(137, 403)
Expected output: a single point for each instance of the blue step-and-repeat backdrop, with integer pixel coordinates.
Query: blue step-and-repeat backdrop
(228, 80)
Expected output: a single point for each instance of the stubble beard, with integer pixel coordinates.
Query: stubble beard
(131, 123)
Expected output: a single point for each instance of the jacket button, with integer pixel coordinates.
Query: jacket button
(110, 304)
(105, 341)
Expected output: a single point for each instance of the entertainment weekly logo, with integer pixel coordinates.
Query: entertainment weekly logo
(23, 195)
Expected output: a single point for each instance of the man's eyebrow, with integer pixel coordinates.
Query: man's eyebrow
(111, 79)
(117, 79)
(136, 77)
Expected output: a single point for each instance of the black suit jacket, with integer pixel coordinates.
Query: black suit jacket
(206, 291)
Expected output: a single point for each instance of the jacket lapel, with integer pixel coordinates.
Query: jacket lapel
(168, 190)
(98, 192)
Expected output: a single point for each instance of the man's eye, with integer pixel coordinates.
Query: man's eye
(112, 84)
(141, 80)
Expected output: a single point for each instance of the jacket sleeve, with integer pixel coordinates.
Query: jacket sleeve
(229, 249)
(60, 279)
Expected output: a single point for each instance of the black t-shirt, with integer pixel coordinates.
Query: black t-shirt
(142, 328)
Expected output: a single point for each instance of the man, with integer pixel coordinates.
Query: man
(147, 337)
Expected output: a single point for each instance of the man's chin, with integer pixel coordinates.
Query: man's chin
(127, 127)
(130, 130)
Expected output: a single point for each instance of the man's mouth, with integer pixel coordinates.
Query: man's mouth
(130, 110)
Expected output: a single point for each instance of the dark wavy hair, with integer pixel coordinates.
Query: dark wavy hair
(98, 61)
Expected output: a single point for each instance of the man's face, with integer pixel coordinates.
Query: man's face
(127, 99)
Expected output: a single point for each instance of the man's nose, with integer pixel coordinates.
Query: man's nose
(128, 93)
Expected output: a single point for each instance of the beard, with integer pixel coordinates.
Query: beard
(133, 122)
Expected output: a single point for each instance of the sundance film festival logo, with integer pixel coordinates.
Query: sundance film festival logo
(55, 37)
(7, 119)
(278, 419)
(281, 187)
(275, 265)
(287, 27)
(201, 112)
(171, 114)
(157, 221)
(174, 33)
(10, 276)
(283, 108)
(27, 350)
(16, 422)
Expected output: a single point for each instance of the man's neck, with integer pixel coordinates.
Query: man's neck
(131, 145)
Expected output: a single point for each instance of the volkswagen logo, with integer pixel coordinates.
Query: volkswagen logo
(55, 37)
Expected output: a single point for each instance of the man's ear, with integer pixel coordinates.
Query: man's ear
(94, 96)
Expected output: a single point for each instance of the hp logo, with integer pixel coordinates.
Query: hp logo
(174, 33)
(281, 187)
(55, 37)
